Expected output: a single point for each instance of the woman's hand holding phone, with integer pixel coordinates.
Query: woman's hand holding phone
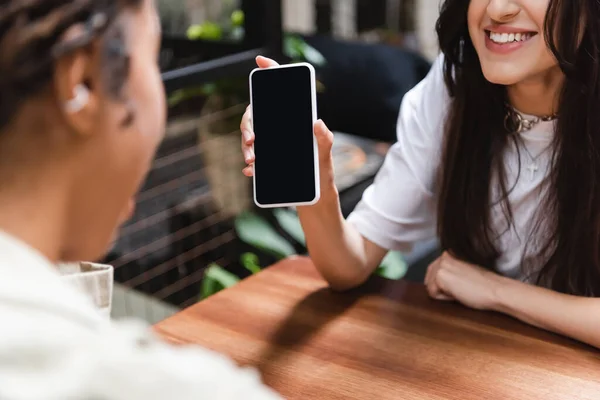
(342, 256)
(324, 142)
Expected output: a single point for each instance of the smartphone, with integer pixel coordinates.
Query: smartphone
(284, 108)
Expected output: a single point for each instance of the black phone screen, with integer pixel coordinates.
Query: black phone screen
(283, 127)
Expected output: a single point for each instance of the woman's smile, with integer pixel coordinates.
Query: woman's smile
(506, 39)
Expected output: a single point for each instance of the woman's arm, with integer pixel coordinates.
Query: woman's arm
(576, 317)
(343, 257)
(572, 316)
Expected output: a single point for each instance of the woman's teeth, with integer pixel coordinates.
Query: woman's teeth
(503, 38)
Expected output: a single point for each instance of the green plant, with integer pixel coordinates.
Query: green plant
(260, 234)
(232, 28)
(205, 31)
(257, 232)
(251, 262)
(299, 51)
(393, 266)
(216, 278)
(290, 223)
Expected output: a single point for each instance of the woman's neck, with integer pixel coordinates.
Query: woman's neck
(34, 215)
(538, 95)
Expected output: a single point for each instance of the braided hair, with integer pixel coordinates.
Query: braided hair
(31, 40)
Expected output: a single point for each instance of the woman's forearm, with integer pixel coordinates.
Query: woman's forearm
(342, 256)
(576, 317)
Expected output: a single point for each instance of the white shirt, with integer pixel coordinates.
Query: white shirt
(55, 345)
(399, 209)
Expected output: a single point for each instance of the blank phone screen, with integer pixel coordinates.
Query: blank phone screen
(283, 126)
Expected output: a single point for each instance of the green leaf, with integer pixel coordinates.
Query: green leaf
(221, 275)
(393, 266)
(194, 32)
(290, 222)
(257, 232)
(251, 262)
(206, 31)
(237, 18)
(209, 287)
(216, 279)
(290, 47)
(312, 55)
(298, 50)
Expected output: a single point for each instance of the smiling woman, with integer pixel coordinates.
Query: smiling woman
(541, 77)
(498, 154)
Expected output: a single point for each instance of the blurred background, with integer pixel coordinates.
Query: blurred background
(196, 230)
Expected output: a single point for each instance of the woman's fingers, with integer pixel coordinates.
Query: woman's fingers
(264, 62)
(325, 143)
(429, 271)
(441, 296)
(247, 137)
(248, 155)
(247, 127)
(435, 292)
(433, 289)
(248, 171)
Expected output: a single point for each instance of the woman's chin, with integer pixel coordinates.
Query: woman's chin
(502, 78)
(510, 73)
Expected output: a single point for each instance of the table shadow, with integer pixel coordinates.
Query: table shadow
(316, 311)
(303, 322)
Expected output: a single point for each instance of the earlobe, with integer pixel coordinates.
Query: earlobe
(80, 99)
(74, 89)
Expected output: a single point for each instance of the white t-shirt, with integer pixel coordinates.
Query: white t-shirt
(55, 345)
(399, 209)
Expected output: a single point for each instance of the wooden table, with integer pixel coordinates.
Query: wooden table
(387, 340)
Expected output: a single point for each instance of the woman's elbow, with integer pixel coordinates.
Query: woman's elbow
(343, 283)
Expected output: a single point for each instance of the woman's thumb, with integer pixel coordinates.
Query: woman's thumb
(324, 141)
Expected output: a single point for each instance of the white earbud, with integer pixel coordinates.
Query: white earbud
(79, 100)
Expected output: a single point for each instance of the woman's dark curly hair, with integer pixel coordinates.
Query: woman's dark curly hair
(31, 40)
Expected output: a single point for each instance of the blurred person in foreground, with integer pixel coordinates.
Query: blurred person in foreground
(498, 155)
(82, 111)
